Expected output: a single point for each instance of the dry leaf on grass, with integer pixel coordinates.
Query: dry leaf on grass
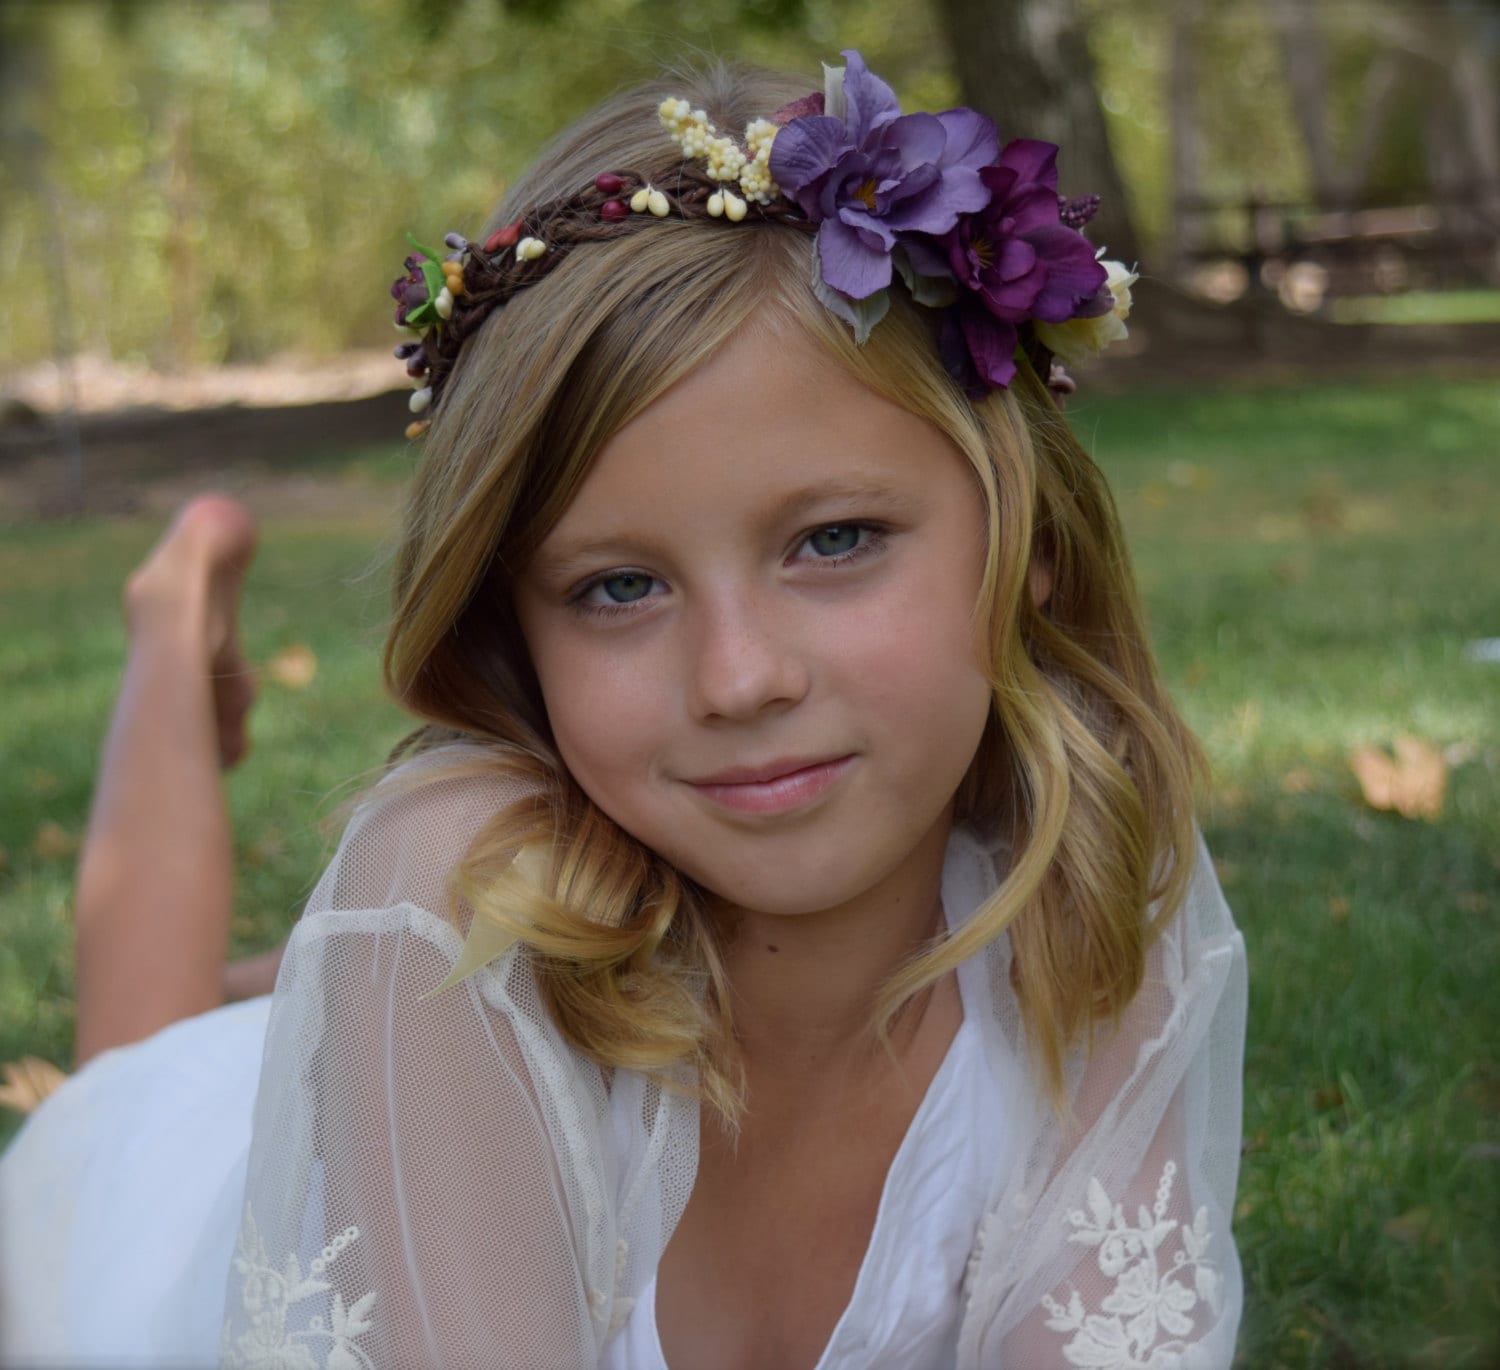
(1412, 784)
(293, 666)
(1299, 781)
(53, 842)
(1412, 1228)
(25, 1083)
(43, 784)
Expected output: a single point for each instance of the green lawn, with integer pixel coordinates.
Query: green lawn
(1315, 561)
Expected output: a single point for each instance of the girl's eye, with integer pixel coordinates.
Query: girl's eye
(837, 539)
(625, 588)
(837, 544)
(619, 592)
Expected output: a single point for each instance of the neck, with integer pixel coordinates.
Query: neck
(803, 986)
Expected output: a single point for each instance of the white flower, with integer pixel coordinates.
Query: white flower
(1078, 339)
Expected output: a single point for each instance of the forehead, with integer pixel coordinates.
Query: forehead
(769, 422)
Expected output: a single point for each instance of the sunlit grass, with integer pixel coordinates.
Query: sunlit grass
(1420, 306)
(1314, 562)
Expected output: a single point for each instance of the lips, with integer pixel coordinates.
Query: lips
(776, 787)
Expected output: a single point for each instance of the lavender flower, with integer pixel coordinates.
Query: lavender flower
(1015, 260)
(867, 173)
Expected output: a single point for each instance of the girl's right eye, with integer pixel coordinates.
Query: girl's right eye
(614, 593)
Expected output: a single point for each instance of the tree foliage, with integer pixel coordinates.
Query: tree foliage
(212, 182)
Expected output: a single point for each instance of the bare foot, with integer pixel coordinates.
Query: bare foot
(190, 583)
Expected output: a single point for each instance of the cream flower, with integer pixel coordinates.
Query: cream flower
(1079, 339)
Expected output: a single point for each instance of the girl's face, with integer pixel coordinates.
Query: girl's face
(754, 630)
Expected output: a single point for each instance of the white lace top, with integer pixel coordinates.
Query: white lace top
(439, 1180)
(907, 1302)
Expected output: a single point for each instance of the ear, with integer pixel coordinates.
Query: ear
(1039, 580)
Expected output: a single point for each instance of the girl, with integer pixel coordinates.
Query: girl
(787, 941)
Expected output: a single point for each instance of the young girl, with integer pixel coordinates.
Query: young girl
(786, 941)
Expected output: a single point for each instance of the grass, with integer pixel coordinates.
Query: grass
(1314, 562)
(1420, 306)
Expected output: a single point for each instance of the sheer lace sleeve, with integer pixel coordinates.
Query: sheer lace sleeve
(1110, 1247)
(435, 1179)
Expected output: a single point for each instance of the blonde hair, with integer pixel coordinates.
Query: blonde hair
(1085, 771)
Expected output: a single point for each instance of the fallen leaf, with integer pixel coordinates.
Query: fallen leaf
(1246, 720)
(53, 842)
(1460, 753)
(268, 847)
(1324, 509)
(1187, 475)
(1278, 528)
(293, 666)
(25, 1083)
(1299, 781)
(1412, 1228)
(1227, 871)
(43, 784)
(1338, 907)
(1328, 1097)
(1412, 784)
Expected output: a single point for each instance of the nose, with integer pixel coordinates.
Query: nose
(745, 658)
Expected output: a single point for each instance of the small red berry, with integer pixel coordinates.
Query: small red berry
(508, 236)
(611, 210)
(607, 183)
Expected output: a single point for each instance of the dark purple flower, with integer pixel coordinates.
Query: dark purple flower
(875, 172)
(1015, 260)
(409, 291)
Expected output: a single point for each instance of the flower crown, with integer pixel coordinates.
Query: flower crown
(974, 231)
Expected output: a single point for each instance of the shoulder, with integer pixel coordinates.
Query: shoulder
(1201, 930)
(408, 833)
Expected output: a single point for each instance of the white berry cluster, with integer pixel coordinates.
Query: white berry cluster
(690, 129)
(755, 179)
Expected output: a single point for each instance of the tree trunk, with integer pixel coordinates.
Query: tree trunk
(1298, 25)
(1026, 64)
(1479, 106)
(1186, 138)
(1382, 81)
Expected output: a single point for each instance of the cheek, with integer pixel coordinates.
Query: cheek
(608, 712)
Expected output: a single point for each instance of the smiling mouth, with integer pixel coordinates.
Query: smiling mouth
(777, 787)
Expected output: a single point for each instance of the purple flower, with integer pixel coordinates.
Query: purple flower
(1015, 260)
(875, 172)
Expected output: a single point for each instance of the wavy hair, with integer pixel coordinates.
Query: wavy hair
(1085, 772)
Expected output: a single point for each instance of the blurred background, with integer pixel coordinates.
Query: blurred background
(201, 207)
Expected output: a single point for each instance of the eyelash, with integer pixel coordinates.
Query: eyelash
(874, 542)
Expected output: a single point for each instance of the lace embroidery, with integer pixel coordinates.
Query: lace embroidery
(266, 1294)
(1147, 1300)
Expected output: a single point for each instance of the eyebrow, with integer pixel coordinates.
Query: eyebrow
(574, 555)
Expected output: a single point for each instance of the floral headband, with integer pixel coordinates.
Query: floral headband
(974, 231)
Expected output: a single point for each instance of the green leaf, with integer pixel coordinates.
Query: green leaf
(935, 292)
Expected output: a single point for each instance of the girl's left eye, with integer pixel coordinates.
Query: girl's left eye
(838, 542)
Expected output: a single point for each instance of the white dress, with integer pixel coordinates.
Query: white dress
(441, 1180)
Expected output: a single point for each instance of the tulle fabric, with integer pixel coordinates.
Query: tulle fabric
(1110, 1245)
(435, 1178)
(438, 1179)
